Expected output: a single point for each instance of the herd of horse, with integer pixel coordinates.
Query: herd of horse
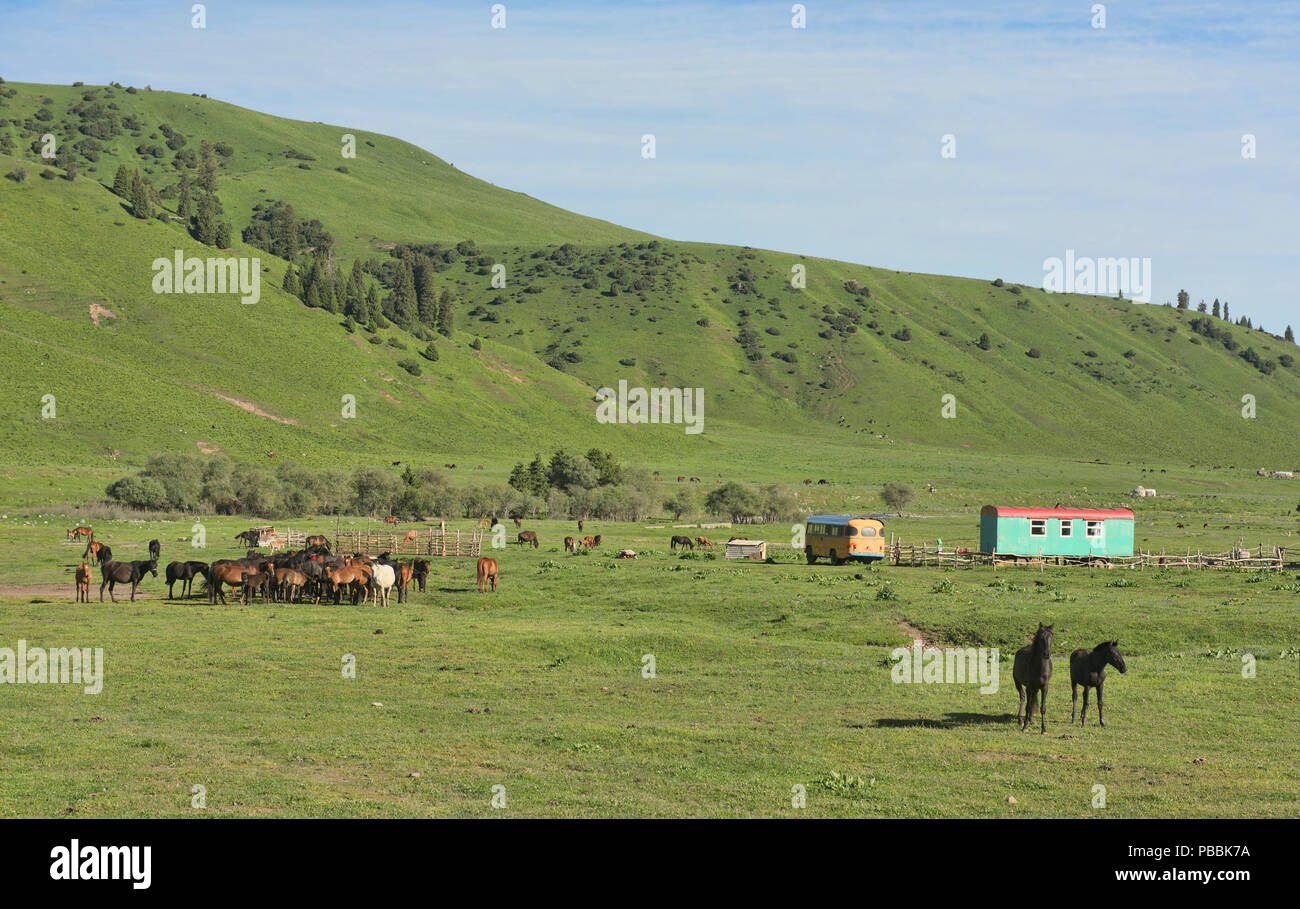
(1032, 671)
(317, 573)
(314, 573)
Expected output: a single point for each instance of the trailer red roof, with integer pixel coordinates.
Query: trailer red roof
(1087, 514)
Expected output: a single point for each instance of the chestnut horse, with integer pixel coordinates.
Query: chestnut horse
(83, 582)
(81, 532)
(570, 544)
(528, 537)
(487, 573)
(704, 542)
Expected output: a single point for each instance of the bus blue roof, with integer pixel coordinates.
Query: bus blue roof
(844, 518)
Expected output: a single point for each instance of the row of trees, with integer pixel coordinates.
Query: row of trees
(187, 483)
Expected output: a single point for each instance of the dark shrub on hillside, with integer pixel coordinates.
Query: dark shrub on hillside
(144, 493)
(410, 365)
(1033, 352)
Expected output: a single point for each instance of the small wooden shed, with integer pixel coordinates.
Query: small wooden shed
(754, 550)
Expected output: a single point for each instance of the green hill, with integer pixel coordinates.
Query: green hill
(793, 378)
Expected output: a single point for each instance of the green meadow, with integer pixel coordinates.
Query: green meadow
(767, 677)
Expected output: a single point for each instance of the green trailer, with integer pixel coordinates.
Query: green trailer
(1069, 532)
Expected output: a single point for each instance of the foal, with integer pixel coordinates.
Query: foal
(1088, 668)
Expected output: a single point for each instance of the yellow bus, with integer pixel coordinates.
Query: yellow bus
(842, 538)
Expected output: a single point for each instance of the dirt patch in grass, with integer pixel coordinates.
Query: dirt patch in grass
(254, 409)
(98, 312)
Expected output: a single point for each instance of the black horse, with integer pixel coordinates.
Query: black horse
(1088, 668)
(420, 573)
(126, 573)
(184, 572)
(155, 549)
(1032, 671)
(249, 538)
(105, 555)
(681, 541)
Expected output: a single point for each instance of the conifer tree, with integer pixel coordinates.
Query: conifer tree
(122, 182)
(290, 283)
(446, 316)
(185, 204)
(139, 197)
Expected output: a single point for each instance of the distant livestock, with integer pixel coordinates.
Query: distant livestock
(680, 541)
(528, 537)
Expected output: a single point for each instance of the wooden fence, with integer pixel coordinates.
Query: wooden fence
(958, 556)
(428, 542)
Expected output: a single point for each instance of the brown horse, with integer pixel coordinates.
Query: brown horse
(355, 576)
(228, 573)
(402, 582)
(591, 542)
(518, 523)
(390, 520)
(704, 542)
(318, 540)
(81, 532)
(487, 573)
(528, 537)
(289, 583)
(83, 582)
(420, 572)
(256, 580)
(570, 544)
(411, 536)
(95, 552)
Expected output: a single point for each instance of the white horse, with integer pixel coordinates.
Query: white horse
(385, 577)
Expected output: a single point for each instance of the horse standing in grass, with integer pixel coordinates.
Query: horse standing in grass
(83, 584)
(487, 573)
(125, 573)
(681, 541)
(1088, 668)
(1032, 671)
(570, 544)
(155, 549)
(420, 572)
(528, 537)
(184, 572)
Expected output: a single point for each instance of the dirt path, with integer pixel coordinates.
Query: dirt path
(914, 633)
(66, 592)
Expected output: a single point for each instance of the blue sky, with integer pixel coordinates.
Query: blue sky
(1122, 141)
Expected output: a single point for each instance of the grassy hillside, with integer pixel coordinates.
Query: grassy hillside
(794, 379)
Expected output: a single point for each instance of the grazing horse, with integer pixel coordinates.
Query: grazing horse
(356, 577)
(231, 574)
(823, 483)
(1088, 668)
(420, 572)
(1032, 671)
(487, 573)
(528, 537)
(390, 520)
(81, 532)
(318, 540)
(570, 544)
(590, 542)
(411, 536)
(704, 542)
(125, 573)
(95, 552)
(155, 549)
(184, 572)
(289, 583)
(83, 585)
(680, 541)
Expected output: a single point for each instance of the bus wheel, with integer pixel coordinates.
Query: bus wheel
(835, 560)
(807, 551)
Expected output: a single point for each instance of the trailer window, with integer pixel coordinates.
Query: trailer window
(1038, 528)
(1067, 528)
(1094, 528)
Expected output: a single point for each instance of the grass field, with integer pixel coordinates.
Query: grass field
(766, 676)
